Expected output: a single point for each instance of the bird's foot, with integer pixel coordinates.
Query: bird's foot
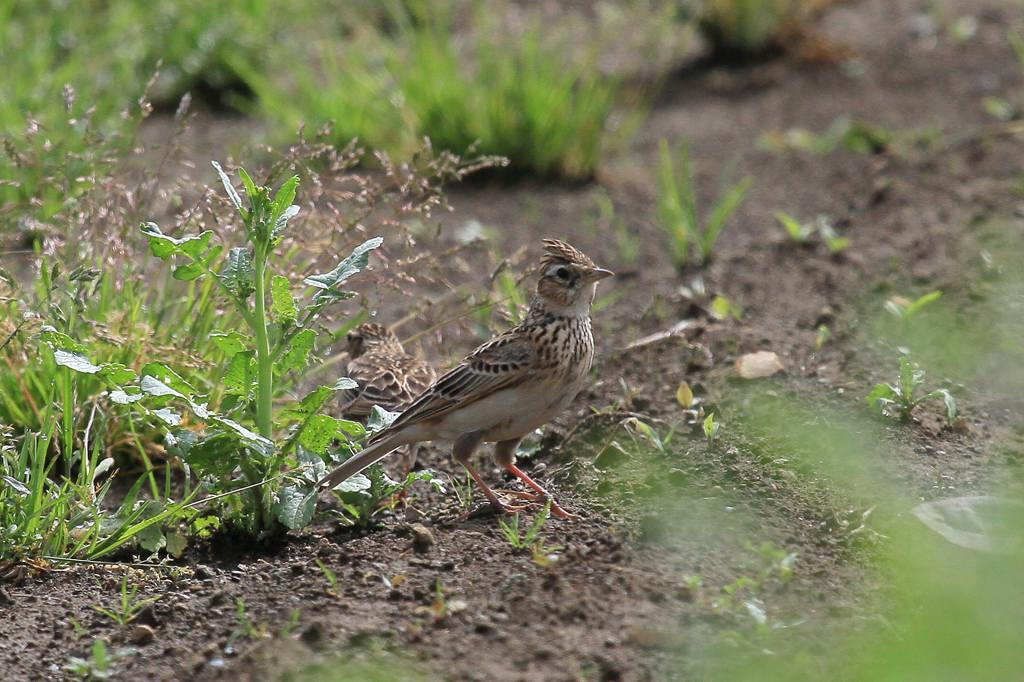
(490, 509)
(538, 498)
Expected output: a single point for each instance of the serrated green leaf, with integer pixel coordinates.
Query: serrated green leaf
(187, 273)
(228, 187)
(380, 418)
(75, 361)
(351, 428)
(124, 398)
(880, 395)
(250, 187)
(284, 308)
(295, 506)
(317, 433)
(168, 416)
(160, 245)
(56, 339)
(356, 261)
(116, 373)
(168, 376)
(254, 440)
(237, 272)
(150, 385)
(163, 246)
(240, 373)
(230, 342)
(354, 484)
(216, 455)
(297, 356)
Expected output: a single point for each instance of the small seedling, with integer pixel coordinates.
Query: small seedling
(711, 427)
(246, 628)
(721, 308)
(510, 529)
(799, 232)
(823, 337)
(439, 607)
(332, 579)
(293, 622)
(901, 398)
(905, 309)
(834, 242)
(689, 239)
(129, 607)
(99, 665)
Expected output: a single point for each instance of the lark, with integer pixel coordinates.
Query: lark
(387, 376)
(509, 386)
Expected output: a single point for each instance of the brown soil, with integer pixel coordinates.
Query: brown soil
(619, 603)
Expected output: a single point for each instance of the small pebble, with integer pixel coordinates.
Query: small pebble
(141, 634)
(422, 538)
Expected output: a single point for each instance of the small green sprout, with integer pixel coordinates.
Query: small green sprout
(510, 529)
(711, 427)
(823, 337)
(129, 607)
(901, 399)
(99, 665)
(799, 232)
(905, 309)
(332, 579)
(834, 242)
(721, 308)
(689, 239)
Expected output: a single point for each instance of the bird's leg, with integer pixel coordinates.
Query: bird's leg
(462, 450)
(505, 454)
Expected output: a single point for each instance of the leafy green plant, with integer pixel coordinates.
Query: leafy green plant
(99, 665)
(689, 239)
(531, 537)
(364, 496)
(802, 232)
(332, 579)
(129, 607)
(905, 309)
(711, 428)
(799, 232)
(246, 628)
(901, 398)
(279, 338)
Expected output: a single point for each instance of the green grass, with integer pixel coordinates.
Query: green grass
(691, 240)
(516, 97)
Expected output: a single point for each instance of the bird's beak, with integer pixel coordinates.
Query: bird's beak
(598, 274)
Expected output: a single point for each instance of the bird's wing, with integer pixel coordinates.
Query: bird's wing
(502, 362)
(380, 383)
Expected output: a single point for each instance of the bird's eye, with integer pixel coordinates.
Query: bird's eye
(562, 273)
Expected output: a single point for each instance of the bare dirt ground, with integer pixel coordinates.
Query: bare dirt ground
(621, 602)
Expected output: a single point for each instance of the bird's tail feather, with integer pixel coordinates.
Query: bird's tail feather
(352, 466)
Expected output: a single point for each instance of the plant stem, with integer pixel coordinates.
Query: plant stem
(264, 359)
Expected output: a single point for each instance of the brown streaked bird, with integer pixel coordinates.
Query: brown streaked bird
(387, 375)
(509, 386)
